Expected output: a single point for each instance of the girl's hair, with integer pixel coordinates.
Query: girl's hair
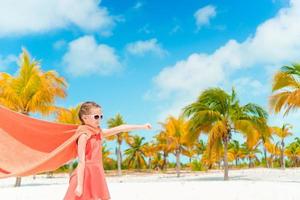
(85, 109)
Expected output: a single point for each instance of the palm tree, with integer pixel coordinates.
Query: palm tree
(274, 151)
(286, 89)
(235, 151)
(213, 153)
(282, 133)
(31, 90)
(158, 161)
(200, 147)
(150, 150)
(161, 141)
(107, 161)
(265, 137)
(120, 137)
(190, 150)
(135, 153)
(176, 131)
(293, 152)
(250, 152)
(220, 115)
(68, 116)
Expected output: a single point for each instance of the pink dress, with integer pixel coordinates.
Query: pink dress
(94, 183)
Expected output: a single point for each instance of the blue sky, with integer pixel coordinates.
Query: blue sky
(147, 59)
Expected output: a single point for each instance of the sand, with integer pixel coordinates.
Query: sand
(248, 184)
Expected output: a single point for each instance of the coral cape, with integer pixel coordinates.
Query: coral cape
(30, 146)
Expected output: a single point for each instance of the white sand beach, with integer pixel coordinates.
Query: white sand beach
(249, 184)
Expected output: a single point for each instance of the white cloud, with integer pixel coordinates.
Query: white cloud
(85, 57)
(138, 5)
(276, 41)
(186, 75)
(146, 46)
(6, 61)
(250, 86)
(204, 15)
(175, 29)
(145, 29)
(34, 16)
(59, 44)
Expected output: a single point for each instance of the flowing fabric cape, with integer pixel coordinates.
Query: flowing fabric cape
(29, 146)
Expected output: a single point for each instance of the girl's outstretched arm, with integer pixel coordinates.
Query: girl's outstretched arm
(124, 128)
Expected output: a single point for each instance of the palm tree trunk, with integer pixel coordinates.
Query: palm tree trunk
(282, 161)
(150, 167)
(265, 154)
(271, 160)
(119, 159)
(225, 159)
(178, 162)
(18, 178)
(165, 164)
(18, 182)
(49, 174)
(250, 162)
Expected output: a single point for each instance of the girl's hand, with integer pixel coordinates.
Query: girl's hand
(78, 191)
(148, 126)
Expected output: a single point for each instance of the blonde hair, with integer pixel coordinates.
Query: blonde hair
(85, 109)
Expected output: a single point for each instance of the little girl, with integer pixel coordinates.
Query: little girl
(87, 182)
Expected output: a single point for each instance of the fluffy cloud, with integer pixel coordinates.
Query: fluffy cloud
(146, 46)
(85, 56)
(34, 16)
(59, 44)
(138, 5)
(204, 15)
(250, 86)
(198, 70)
(275, 42)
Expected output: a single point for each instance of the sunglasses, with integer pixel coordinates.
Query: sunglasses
(97, 116)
